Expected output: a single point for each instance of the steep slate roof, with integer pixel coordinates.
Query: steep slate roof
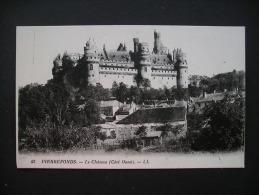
(216, 96)
(162, 59)
(155, 115)
(118, 55)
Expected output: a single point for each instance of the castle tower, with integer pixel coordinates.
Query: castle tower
(136, 44)
(174, 56)
(57, 66)
(157, 43)
(182, 69)
(144, 61)
(92, 62)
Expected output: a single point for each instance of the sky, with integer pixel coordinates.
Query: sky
(209, 49)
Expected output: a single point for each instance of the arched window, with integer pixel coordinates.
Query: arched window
(91, 67)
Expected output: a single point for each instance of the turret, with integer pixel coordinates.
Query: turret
(174, 56)
(92, 62)
(136, 44)
(182, 70)
(144, 61)
(57, 65)
(157, 43)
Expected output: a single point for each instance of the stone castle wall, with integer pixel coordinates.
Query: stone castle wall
(107, 66)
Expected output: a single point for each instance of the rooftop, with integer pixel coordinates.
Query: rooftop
(216, 96)
(107, 103)
(155, 115)
(157, 58)
(118, 55)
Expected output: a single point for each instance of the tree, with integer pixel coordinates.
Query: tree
(224, 125)
(179, 94)
(166, 128)
(194, 91)
(67, 64)
(91, 112)
(32, 105)
(134, 94)
(122, 92)
(146, 83)
(138, 79)
(167, 92)
(114, 88)
(141, 131)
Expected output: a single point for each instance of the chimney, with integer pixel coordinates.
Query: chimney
(204, 94)
(225, 90)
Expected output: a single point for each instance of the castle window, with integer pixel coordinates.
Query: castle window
(104, 75)
(92, 75)
(185, 71)
(91, 67)
(145, 69)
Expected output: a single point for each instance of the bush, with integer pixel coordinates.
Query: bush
(223, 126)
(47, 136)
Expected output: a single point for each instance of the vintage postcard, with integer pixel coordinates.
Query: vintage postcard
(130, 97)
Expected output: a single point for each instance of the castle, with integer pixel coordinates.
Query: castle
(106, 66)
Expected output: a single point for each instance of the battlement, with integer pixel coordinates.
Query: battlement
(124, 71)
(107, 63)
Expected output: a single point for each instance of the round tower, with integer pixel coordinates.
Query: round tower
(157, 43)
(182, 70)
(92, 62)
(144, 61)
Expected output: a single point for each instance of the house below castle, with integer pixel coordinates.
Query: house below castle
(199, 104)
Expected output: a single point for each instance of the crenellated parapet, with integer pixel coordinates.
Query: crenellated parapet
(105, 66)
